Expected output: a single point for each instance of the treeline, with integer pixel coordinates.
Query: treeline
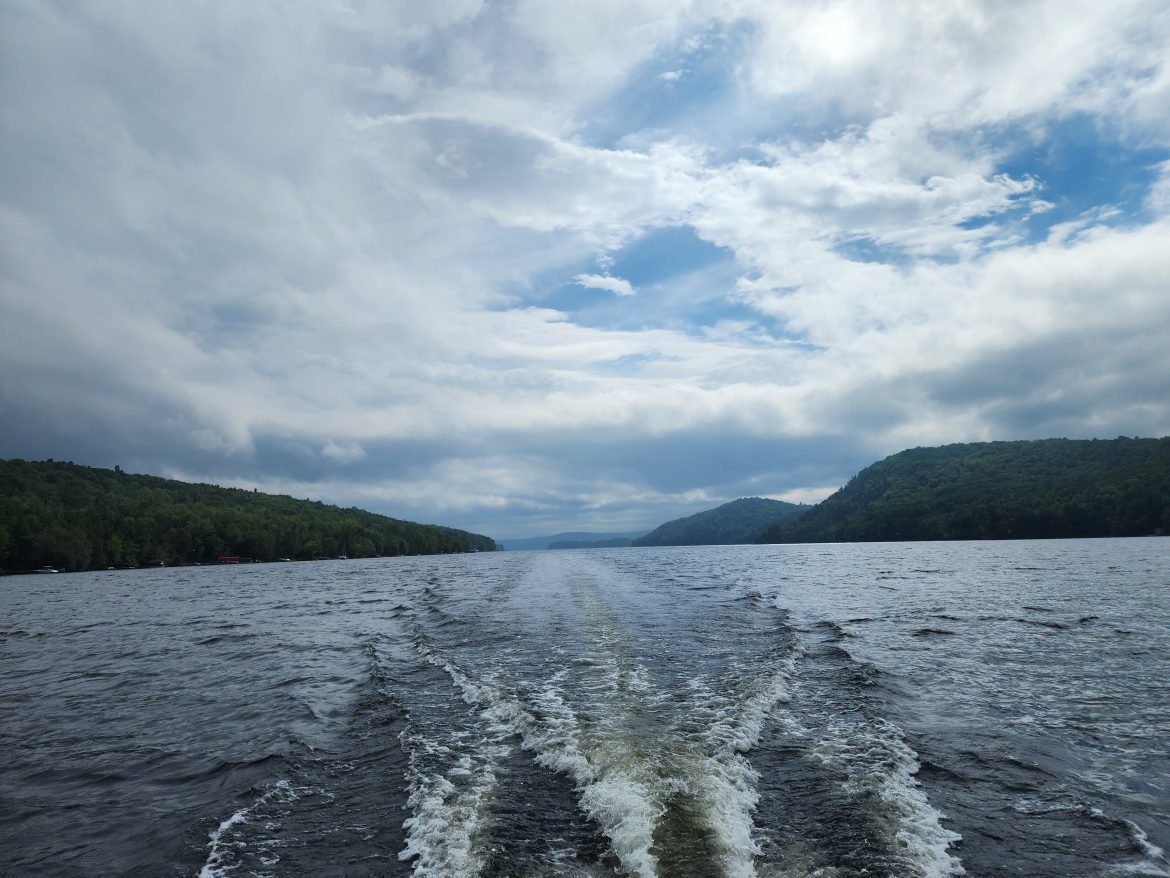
(1041, 489)
(75, 517)
(740, 521)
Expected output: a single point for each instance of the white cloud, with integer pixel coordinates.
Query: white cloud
(809, 495)
(616, 285)
(960, 64)
(1158, 199)
(333, 228)
(346, 452)
(393, 81)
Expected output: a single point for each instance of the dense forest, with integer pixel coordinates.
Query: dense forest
(998, 490)
(740, 521)
(75, 517)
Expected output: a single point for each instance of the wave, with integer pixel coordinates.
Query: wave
(212, 639)
(873, 763)
(450, 781)
(1153, 862)
(220, 843)
(665, 779)
(612, 784)
(660, 764)
(450, 816)
(729, 780)
(19, 634)
(834, 630)
(867, 767)
(1044, 623)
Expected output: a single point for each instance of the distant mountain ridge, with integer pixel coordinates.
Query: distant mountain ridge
(1037, 489)
(612, 543)
(545, 542)
(73, 517)
(740, 521)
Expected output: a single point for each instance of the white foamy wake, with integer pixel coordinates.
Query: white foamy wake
(451, 811)
(1155, 864)
(219, 845)
(637, 754)
(726, 781)
(613, 786)
(874, 761)
(639, 751)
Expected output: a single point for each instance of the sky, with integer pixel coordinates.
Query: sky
(543, 265)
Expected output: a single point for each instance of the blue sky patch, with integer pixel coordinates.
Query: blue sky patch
(680, 281)
(663, 253)
(1082, 164)
(682, 88)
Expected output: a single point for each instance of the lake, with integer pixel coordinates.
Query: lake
(826, 711)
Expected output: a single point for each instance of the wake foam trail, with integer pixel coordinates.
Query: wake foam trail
(872, 764)
(726, 779)
(221, 844)
(451, 786)
(450, 811)
(865, 769)
(616, 790)
(613, 787)
(1153, 863)
(877, 763)
(663, 778)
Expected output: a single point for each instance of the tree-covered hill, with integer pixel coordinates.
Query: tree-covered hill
(998, 490)
(75, 518)
(614, 543)
(527, 544)
(740, 521)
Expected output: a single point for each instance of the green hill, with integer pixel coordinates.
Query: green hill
(76, 518)
(740, 521)
(998, 490)
(614, 543)
(559, 540)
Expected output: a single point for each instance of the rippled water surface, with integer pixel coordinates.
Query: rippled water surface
(990, 709)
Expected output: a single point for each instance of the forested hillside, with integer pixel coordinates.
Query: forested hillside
(76, 517)
(740, 521)
(614, 543)
(998, 490)
(561, 539)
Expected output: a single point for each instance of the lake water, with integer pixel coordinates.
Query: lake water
(929, 709)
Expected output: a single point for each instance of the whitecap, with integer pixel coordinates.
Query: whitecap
(1154, 864)
(219, 844)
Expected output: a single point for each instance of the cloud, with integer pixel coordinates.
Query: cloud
(985, 64)
(346, 250)
(616, 285)
(345, 453)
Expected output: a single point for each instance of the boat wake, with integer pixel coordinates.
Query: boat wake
(666, 766)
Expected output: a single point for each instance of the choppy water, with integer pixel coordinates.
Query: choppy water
(990, 709)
